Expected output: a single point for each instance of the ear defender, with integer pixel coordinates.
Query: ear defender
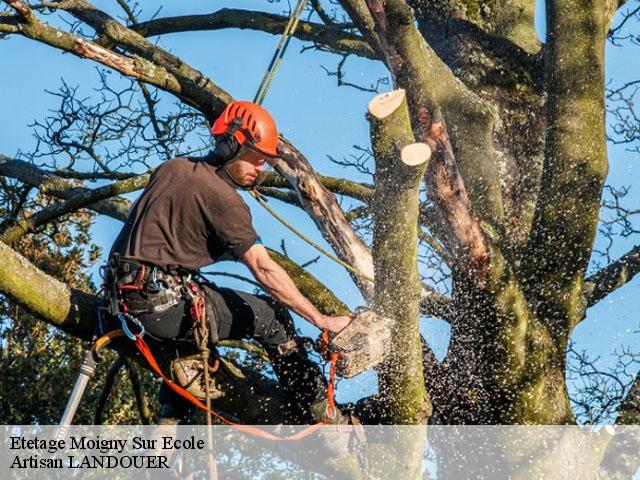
(226, 148)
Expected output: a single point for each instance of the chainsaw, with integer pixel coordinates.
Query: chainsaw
(361, 345)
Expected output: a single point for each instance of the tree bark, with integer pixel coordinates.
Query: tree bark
(575, 165)
(400, 165)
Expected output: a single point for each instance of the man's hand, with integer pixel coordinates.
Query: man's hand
(334, 324)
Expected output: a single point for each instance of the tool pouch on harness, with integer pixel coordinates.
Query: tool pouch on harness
(145, 288)
(157, 298)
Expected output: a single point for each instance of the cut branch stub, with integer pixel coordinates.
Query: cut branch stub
(392, 137)
(415, 154)
(385, 104)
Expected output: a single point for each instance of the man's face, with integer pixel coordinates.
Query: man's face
(245, 167)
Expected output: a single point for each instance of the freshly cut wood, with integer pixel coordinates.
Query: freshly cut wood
(385, 104)
(415, 154)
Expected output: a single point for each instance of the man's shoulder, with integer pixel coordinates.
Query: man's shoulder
(204, 181)
(177, 163)
(196, 172)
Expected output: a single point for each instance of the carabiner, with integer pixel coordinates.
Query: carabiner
(125, 328)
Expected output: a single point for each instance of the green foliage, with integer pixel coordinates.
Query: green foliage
(38, 363)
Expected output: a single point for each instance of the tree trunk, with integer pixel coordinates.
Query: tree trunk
(400, 165)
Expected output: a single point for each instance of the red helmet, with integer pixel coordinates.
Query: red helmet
(250, 125)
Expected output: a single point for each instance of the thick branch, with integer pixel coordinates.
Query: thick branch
(612, 277)
(319, 295)
(455, 221)
(51, 184)
(400, 165)
(76, 202)
(68, 309)
(514, 21)
(502, 27)
(328, 216)
(432, 86)
(575, 165)
(363, 20)
(331, 36)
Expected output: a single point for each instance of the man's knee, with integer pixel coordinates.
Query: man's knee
(274, 326)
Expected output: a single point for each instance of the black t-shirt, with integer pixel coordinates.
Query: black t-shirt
(187, 217)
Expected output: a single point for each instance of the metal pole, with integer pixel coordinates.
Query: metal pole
(87, 370)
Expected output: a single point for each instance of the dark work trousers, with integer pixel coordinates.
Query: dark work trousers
(240, 315)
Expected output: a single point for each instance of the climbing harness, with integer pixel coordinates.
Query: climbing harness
(132, 328)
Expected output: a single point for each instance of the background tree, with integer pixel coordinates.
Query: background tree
(505, 198)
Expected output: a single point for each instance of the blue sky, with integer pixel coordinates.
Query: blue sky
(320, 119)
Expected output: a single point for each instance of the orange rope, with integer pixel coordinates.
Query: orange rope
(331, 407)
(146, 352)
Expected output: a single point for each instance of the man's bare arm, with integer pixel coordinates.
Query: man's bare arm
(281, 287)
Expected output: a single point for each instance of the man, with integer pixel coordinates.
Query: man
(191, 215)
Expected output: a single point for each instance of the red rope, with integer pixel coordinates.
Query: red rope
(331, 407)
(146, 353)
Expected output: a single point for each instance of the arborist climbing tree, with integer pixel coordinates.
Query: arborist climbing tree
(191, 215)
